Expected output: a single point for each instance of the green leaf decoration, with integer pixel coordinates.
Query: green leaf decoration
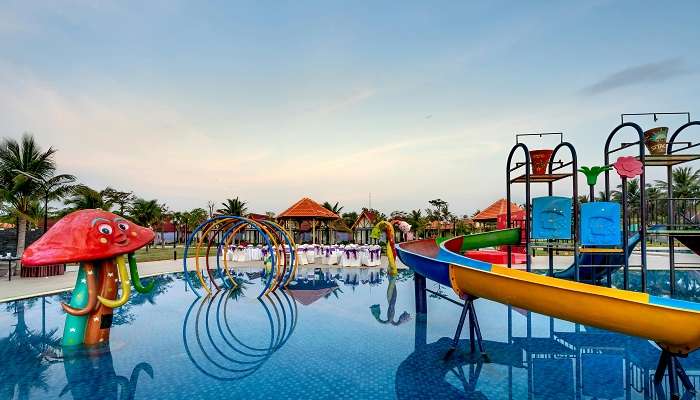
(592, 173)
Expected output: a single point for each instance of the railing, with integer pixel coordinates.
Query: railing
(685, 212)
(654, 395)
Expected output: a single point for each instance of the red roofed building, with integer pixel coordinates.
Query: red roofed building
(490, 214)
(307, 210)
(362, 227)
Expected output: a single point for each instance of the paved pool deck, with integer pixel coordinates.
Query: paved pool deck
(21, 288)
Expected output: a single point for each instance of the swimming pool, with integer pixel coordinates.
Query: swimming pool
(356, 340)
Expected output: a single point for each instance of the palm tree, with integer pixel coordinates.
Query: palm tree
(56, 188)
(119, 198)
(686, 183)
(145, 212)
(193, 218)
(336, 208)
(633, 193)
(161, 220)
(233, 207)
(18, 160)
(83, 197)
(415, 218)
(177, 219)
(349, 218)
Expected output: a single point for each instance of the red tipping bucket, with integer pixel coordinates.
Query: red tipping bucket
(540, 160)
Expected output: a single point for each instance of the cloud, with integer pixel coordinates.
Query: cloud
(345, 102)
(640, 74)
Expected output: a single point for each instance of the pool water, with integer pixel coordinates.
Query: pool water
(359, 340)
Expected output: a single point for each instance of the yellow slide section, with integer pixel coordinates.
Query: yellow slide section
(677, 330)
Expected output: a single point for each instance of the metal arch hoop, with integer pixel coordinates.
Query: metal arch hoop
(642, 191)
(527, 202)
(574, 168)
(200, 228)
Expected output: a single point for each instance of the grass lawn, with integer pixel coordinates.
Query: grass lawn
(166, 253)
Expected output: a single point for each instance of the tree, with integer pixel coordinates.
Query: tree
(233, 207)
(349, 218)
(336, 208)
(162, 214)
(193, 218)
(83, 198)
(686, 183)
(439, 211)
(56, 188)
(177, 218)
(146, 212)
(416, 220)
(119, 198)
(19, 191)
(402, 215)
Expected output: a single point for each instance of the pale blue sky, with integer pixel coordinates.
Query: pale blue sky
(192, 101)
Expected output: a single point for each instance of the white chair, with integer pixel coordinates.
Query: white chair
(350, 257)
(244, 254)
(257, 253)
(309, 253)
(356, 256)
(326, 255)
(364, 255)
(249, 252)
(336, 254)
(301, 253)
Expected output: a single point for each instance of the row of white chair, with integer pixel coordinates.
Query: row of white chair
(344, 255)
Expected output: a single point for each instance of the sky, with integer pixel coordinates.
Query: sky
(189, 102)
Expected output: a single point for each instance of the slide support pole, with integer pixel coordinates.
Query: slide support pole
(420, 294)
(669, 362)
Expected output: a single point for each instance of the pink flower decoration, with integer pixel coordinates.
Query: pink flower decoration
(628, 167)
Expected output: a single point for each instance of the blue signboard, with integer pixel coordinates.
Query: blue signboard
(601, 224)
(551, 217)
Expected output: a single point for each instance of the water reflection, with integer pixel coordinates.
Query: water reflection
(211, 342)
(582, 362)
(26, 355)
(90, 374)
(232, 335)
(391, 295)
(317, 284)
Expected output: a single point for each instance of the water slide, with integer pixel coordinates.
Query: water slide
(688, 236)
(600, 271)
(632, 313)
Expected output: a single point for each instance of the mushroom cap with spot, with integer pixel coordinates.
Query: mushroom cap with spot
(87, 235)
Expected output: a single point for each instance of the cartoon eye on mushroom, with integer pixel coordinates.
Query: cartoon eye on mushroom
(99, 241)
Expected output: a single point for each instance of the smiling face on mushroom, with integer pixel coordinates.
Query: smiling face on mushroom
(113, 232)
(87, 235)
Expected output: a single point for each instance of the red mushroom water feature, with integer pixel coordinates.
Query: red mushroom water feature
(99, 241)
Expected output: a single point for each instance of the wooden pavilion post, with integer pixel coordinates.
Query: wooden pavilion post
(313, 231)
